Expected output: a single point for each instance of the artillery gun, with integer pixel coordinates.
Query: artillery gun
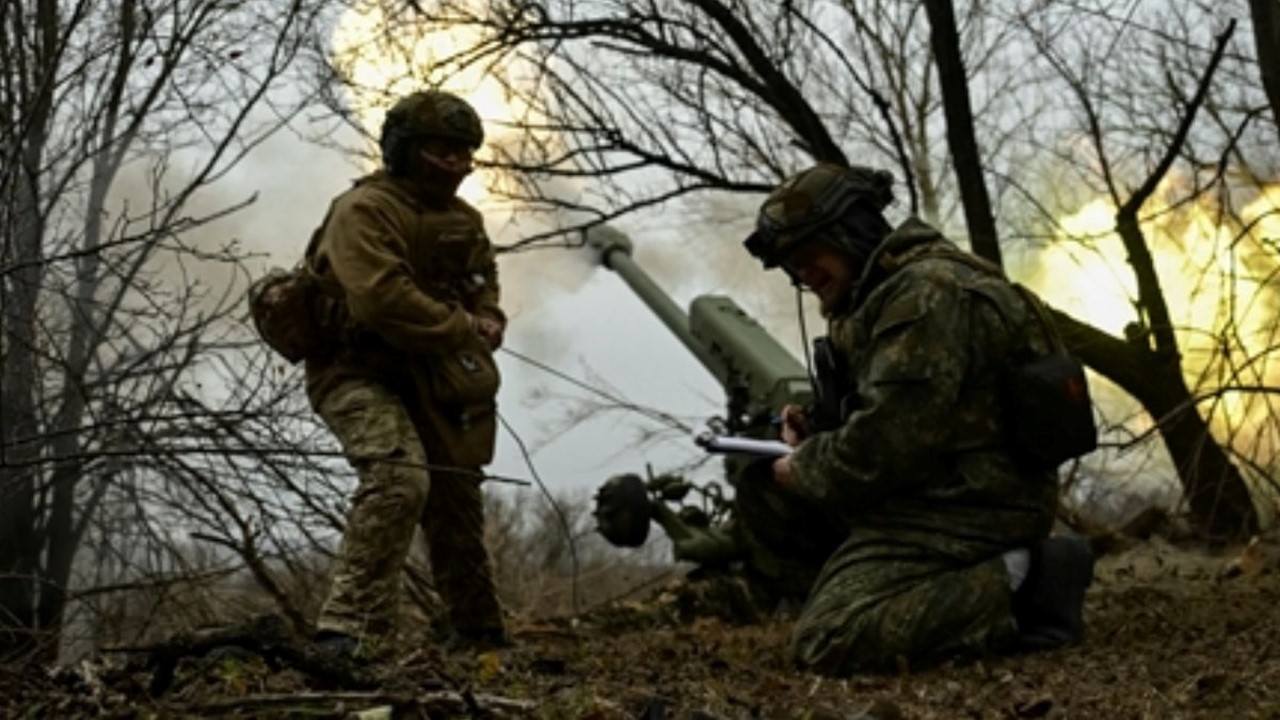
(758, 375)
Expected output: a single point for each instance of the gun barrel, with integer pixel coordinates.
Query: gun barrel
(742, 356)
(614, 251)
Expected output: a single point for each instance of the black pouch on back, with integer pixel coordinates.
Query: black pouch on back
(1051, 411)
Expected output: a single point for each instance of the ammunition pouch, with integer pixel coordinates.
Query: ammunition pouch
(455, 392)
(465, 376)
(457, 436)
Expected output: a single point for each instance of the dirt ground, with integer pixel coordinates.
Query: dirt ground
(1173, 633)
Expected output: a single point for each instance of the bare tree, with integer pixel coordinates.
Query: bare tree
(593, 141)
(1149, 156)
(115, 119)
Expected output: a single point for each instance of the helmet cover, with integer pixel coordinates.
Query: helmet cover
(809, 202)
(429, 113)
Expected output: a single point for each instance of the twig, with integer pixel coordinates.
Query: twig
(1150, 296)
(268, 636)
(442, 702)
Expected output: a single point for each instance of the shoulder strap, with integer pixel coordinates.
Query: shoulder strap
(990, 268)
(1049, 328)
(328, 285)
(952, 252)
(1038, 307)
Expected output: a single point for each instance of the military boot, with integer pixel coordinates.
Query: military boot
(1049, 605)
(338, 645)
(476, 640)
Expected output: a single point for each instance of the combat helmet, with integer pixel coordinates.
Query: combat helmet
(810, 204)
(427, 113)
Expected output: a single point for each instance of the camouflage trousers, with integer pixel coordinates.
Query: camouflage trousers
(865, 614)
(396, 493)
(852, 622)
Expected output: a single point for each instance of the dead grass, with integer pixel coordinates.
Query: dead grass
(1171, 636)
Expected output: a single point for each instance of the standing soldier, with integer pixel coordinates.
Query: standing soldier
(409, 382)
(943, 512)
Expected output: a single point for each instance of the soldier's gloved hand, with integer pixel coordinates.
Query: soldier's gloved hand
(490, 330)
(795, 425)
(782, 473)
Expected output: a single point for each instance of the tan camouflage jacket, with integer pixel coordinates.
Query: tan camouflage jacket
(409, 269)
(922, 465)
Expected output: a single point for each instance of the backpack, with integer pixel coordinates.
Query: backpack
(283, 303)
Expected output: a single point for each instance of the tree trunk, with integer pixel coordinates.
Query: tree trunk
(19, 429)
(1216, 493)
(961, 138)
(1266, 35)
(22, 576)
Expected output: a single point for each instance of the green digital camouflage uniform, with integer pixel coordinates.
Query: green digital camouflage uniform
(409, 269)
(919, 476)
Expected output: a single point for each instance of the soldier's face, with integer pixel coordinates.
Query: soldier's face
(824, 270)
(449, 158)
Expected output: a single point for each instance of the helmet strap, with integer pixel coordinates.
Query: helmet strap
(804, 337)
(439, 177)
(453, 167)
